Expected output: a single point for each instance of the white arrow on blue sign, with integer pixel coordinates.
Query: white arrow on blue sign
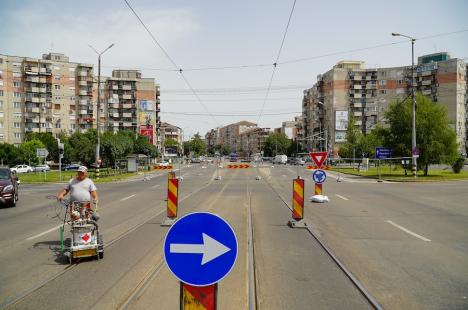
(319, 176)
(200, 249)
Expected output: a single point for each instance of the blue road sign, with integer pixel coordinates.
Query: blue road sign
(383, 152)
(319, 176)
(200, 249)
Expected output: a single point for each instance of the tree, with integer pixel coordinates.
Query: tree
(276, 144)
(27, 151)
(115, 146)
(354, 137)
(143, 146)
(197, 146)
(435, 138)
(81, 148)
(9, 154)
(50, 143)
(169, 142)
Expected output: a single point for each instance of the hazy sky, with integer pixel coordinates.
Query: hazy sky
(200, 34)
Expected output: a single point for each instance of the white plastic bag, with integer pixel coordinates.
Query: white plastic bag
(319, 198)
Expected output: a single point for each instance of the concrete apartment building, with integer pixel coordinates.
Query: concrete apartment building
(44, 95)
(55, 95)
(229, 135)
(173, 132)
(252, 140)
(351, 90)
(132, 103)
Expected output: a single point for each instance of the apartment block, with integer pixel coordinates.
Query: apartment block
(132, 103)
(49, 94)
(173, 132)
(52, 94)
(252, 141)
(229, 135)
(350, 89)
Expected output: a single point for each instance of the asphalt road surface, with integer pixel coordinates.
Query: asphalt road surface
(406, 244)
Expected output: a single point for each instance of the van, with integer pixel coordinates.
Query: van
(280, 159)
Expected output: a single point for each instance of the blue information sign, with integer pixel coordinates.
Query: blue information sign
(383, 152)
(200, 249)
(319, 176)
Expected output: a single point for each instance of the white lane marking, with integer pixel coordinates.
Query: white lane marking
(128, 197)
(342, 197)
(408, 231)
(43, 233)
(157, 185)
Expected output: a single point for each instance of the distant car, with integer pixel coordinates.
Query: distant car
(8, 187)
(71, 167)
(163, 163)
(21, 169)
(280, 159)
(41, 168)
(299, 161)
(195, 160)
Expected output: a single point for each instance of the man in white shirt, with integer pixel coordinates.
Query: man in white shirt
(81, 188)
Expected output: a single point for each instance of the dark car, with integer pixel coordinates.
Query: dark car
(8, 187)
(71, 167)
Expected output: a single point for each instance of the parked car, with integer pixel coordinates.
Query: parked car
(163, 163)
(299, 161)
(8, 187)
(280, 159)
(21, 169)
(41, 168)
(71, 167)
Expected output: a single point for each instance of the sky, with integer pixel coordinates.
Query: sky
(205, 34)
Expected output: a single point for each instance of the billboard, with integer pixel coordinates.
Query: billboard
(147, 105)
(146, 118)
(341, 120)
(147, 131)
(340, 136)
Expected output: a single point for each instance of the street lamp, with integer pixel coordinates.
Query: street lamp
(413, 140)
(98, 123)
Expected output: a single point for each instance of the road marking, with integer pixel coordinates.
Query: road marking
(157, 185)
(128, 197)
(43, 233)
(342, 197)
(408, 231)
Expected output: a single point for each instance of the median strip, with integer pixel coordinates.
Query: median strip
(409, 231)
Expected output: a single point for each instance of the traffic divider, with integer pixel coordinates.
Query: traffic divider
(240, 166)
(162, 167)
(298, 204)
(312, 167)
(172, 199)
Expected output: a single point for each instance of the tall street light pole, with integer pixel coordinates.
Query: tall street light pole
(98, 121)
(413, 140)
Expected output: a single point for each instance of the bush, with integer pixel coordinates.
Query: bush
(457, 165)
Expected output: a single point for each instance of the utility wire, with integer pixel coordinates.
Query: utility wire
(276, 62)
(226, 114)
(172, 61)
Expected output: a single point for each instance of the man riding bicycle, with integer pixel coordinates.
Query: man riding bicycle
(81, 188)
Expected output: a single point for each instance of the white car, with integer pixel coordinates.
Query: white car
(21, 169)
(163, 163)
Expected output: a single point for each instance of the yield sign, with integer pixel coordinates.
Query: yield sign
(318, 158)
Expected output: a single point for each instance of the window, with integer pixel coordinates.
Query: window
(17, 105)
(17, 125)
(1, 92)
(72, 98)
(72, 87)
(71, 78)
(57, 57)
(57, 125)
(1, 114)
(17, 115)
(17, 94)
(57, 106)
(400, 82)
(57, 86)
(383, 82)
(17, 135)
(57, 77)
(16, 84)
(1, 60)
(383, 91)
(16, 64)
(1, 104)
(1, 124)
(1, 82)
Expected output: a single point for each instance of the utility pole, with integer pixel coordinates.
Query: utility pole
(98, 120)
(414, 165)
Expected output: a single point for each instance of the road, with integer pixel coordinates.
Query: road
(406, 244)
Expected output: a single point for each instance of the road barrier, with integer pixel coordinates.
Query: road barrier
(318, 189)
(162, 167)
(312, 167)
(172, 199)
(240, 166)
(198, 297)
(298, 204)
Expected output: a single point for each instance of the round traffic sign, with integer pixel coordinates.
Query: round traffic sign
(200, 249)
(319, 176)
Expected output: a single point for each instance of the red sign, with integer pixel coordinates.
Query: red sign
(318, 158)
(147, 131)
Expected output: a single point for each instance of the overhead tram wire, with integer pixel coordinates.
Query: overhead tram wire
(276, 62)
(172, 61)
(227, 114)
(286, 62)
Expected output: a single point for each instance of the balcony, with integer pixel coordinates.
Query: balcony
(370, 113)
(83, 83)
(357, 105)
(357, 86)
(83, 112)
(357, 113)
(115, 115)
(31, 70)
(84, 93)
(83, 73)
(127, 106)
(84, 102)
(127, 87)
(33, 79)
(127, 124)
(126, 96)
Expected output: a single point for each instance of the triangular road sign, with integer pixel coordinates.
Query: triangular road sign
(318, 158)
